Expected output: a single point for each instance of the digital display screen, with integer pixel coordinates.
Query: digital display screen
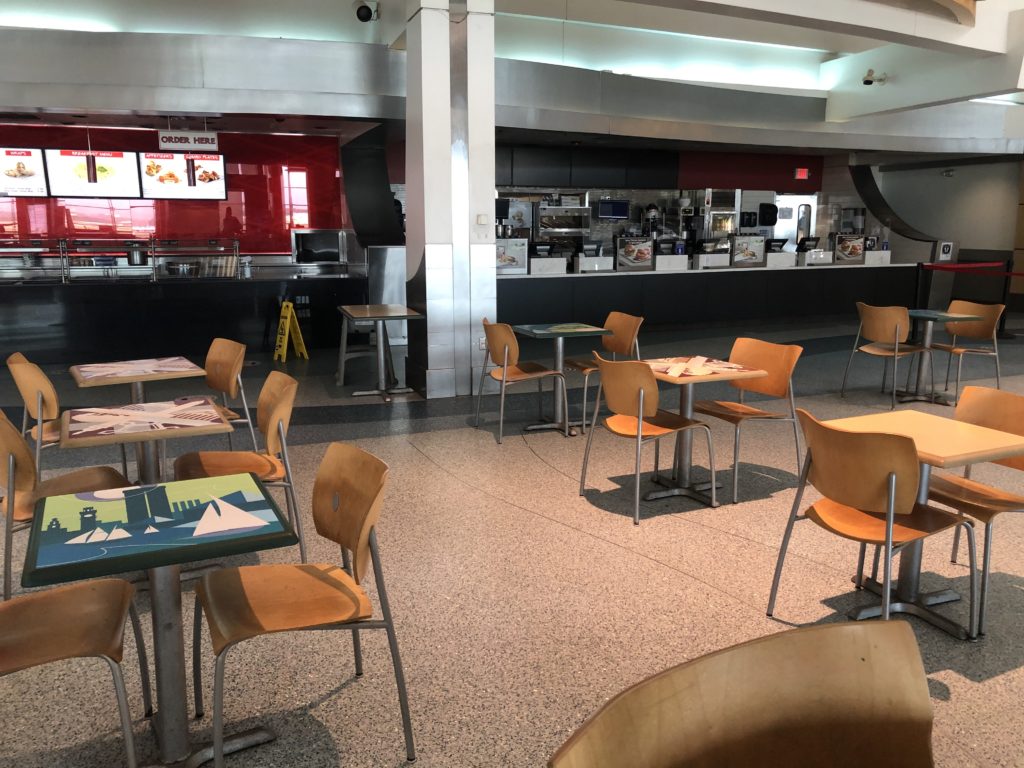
(22, 173)
(182, 176)
(92, 173)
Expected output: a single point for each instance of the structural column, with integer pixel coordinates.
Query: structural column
(449, 190)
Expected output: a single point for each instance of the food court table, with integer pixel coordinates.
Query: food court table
(930, 317)
(941, 442)
(135, 373)
(378, 314)
(157, 528)
(686, 372)
(558, 332)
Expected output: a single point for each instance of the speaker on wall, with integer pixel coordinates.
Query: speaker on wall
(767, 214)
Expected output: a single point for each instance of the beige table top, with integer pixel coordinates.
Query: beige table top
(940, 441)
(133, 371)
(141, 422)
(379, 312)
(722, 371)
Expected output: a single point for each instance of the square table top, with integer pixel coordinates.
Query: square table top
(102, 533)
(667, 369)
(560, 330)
(140, 422)
(940, 441)
(132, 371)
(941, 316)
(379, 312)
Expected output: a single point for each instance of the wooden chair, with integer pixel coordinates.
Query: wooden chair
(69, 622)
(623, 342)
(273, 414)
(41, 403)
(631, 393)
(990, 408)
(841, 695)
(251, 601)
(223, 366)
(886, 330)
(503, 352)
(869, 483)
(778, 360)
(985, 329)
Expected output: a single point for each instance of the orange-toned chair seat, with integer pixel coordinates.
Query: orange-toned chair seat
(523, 371)
(78, 481)
(734, 412)
(51, 431)
(978, 500)
(218, 463)
(858, 525)
(888, 350)
(662, 423)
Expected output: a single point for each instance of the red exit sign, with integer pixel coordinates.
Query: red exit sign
(802, 174)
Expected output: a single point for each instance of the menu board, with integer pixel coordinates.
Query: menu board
(182, 176)
(92, 173)
(22, 173)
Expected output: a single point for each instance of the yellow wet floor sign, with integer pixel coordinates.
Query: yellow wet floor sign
(289, 325)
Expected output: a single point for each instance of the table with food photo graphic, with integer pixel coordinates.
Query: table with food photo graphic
(849, 249)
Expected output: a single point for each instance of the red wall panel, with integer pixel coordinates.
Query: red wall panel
(275, 183)
(738, 170)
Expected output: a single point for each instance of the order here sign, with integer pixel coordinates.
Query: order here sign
(185, 140)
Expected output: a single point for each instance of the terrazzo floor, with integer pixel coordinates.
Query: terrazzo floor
(521, 606)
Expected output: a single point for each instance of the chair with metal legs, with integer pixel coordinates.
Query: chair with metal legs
(74, 621)
(631, 394)
(223, 366)
(251, 601)
(623, 341)
(985, 329)
(778, 360)
(994, 409)
(272, 466)
(869, 483)
(886, 330)
(503, 352)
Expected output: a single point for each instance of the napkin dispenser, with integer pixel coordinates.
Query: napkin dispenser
(592, 259)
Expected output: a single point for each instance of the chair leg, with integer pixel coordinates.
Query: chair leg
(123, 711)
(357, 646)
(874, 564)
(565, 407)
(956, 545)
(296, 515)
(949, 364)
(986, 564)
(218, 710)
(711, 466)
(968, 527)
(586, 381)
(8, 543)
(197, 657)
(124, 460)
(998, 372)
(885, 368)
(846, 373)
(140, 645)
(736, 464)
(636, 477)
(959, 367)
(887, 578)
(859, 578)
(480, 395)
(895, 364)
(590, 440)
(777, 577)
(248, 416)
(501, 409)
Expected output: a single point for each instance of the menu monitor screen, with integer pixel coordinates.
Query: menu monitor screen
(22, 173)
(613, 209)
(775, 244)
(92, 173)
(182, 176)
(807, 244)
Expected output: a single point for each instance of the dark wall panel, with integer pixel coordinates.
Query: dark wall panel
(541, 167)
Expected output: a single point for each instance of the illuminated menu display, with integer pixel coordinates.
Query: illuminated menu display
(182, 176)
(92, 173)
(21, 173)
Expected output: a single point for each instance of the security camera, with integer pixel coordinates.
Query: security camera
(364, 12)
(870, 78)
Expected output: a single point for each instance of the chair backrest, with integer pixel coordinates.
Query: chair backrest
(841, 695)
(30, 380)
(275, 406)
(853, 468)
(347, 497)
(13, 442)
(778, 360)
(499, 336)
(884, 324)
(622, 381)
(975, 329)
(624, 330)
(995, 409)
(224, 362)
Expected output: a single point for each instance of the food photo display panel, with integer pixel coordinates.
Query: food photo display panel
(182, 176)
(634, 254)
(850, 249)
(748, 251)
(92, 173)
(22, 173)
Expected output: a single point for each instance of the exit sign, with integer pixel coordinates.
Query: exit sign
(802, 174)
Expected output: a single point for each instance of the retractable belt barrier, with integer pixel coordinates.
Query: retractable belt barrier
(975, 267)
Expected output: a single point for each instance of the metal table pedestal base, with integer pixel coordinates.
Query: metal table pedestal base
(920, 607)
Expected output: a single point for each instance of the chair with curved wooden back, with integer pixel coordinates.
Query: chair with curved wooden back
(271, 465)
(41, 403)
(778, 360)
(80, 620)
(223, 366)
(251, 601)
(623, 341)
(985, 329)
(503, 352)
(886, 329)
(841, 695)
(1004, 411)
(631, 394)
(869, 484)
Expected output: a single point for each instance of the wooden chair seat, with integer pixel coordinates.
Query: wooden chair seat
(198, 464)
(51, 431)
(858, 525)
(888, 350)
(77, 481)
(227, 413)
(661, 424)
(582, 364)
(79, 620)
(246, 602)
(524, 371)
(957, 349)
(971, 497)
(734, 412)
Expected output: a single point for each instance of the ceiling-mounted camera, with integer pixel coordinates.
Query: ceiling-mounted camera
(870, 78)
(365, 12)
